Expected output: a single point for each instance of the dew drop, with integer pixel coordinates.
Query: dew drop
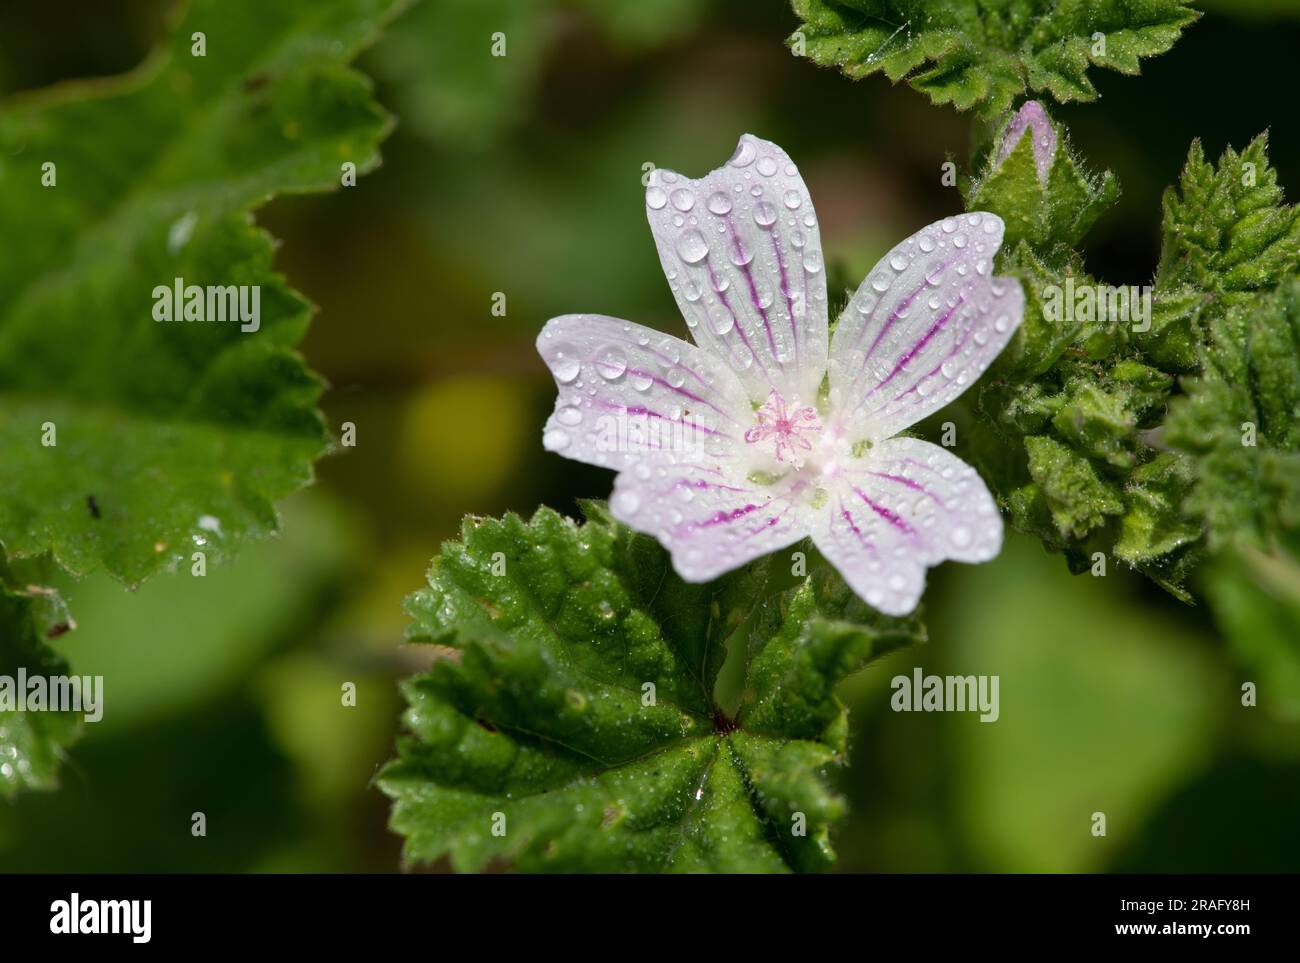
(692, 247)
(720, 203)
(656, 198)
(565, 364)
(611, 364)
(745, 154)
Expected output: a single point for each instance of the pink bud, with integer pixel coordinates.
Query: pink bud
(1032, 117)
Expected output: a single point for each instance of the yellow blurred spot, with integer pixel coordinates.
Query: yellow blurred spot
(464, 436)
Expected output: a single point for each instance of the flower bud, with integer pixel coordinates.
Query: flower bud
(1033, 118)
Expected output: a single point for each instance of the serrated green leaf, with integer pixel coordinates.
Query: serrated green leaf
(576, 712)
(1238, 421)
(985, 54)
(169, 435)
(1226, 228)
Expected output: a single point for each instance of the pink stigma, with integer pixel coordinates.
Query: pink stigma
(787, 425)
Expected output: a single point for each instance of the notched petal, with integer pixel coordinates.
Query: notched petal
(905, 507)
(707, 515)
(626, 390)
(923, 326)
(741, 249)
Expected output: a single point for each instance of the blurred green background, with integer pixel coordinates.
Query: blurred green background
(522, 175)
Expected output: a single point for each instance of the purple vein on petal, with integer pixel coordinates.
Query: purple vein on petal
(861, 536)
(681, 391)
(704, 485)
(669, 362)
(885, 513)
(753, 286)
(649, 413)
(901, 307)
(913, 485)
(735, 320)
(918, 347)
(723, 517)
(961, 343)
(785, 290)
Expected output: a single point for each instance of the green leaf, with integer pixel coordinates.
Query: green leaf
(1226, 229)
(985, 54)
(490, 56)
(169, 435)
(31, 742)
(1256, 600)
(539, 720)
(1103, 435)
(1238, 422)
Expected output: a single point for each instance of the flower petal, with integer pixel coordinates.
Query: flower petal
(743, 255)
(1033, 118)
(906, 506)
(708, 519)
(924, 325)
(626, 390)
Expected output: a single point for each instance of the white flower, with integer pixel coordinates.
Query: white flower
(770, 430)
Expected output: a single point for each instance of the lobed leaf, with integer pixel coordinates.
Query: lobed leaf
(984, 54)
(575, 712)
(174, 434)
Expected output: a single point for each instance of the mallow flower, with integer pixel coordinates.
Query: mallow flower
(771, 429)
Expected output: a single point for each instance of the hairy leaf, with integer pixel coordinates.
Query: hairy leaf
(985, 53)
(573, 723)
(129, 441)
(1108, 430)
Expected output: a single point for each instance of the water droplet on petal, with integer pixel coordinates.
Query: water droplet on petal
(656, 198)
(611, 364)
(720, 203)
(565, 364)
(692, 247)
